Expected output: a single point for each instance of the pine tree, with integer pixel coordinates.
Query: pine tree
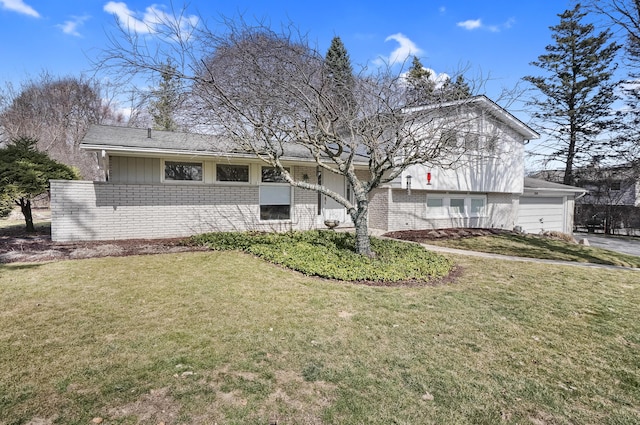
(459, 89)
(577, 91)
(166, 99)
(340, 79)
(421, 86)
(25, 173)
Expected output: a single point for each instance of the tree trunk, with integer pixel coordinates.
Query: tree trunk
(25, 207)
(360, 219)
(571, 152)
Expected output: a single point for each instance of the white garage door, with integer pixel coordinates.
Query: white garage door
(537, 214)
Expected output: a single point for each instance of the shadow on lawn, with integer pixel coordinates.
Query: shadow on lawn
(17, 229)
(497, 241)
(18, 266)
(537, 247)
(533, 246)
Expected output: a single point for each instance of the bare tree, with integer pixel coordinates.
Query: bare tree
(611, 196)
(57, 112)
(624, 17)
(269, 92)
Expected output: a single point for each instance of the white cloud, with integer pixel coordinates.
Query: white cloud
(442, 10)
(71, 26)
(20, 7)
(470, 24)
(474, 24)
(405, 49)
(149, 21)
(509, 23)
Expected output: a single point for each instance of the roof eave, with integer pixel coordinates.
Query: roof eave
(114, 149)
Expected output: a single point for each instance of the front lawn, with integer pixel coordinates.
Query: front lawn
(534, 246)
(224, 337)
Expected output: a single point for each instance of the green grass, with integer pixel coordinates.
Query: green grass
(224, 337)
(16, 226)
(532, 246)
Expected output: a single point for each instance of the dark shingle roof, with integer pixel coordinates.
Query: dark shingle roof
(103, 136)
(127, 139)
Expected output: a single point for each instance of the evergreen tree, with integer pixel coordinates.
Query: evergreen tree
(25, 173)
(577, 91)
(421, 86)
(340, 79)
(459, 89)
(166, 99)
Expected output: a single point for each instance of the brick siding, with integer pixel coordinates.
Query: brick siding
(82, 210)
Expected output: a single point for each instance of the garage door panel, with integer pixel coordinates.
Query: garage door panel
(533, 209)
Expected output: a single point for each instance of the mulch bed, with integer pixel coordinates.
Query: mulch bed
(438, 234)
(39, 247)
(18, 246)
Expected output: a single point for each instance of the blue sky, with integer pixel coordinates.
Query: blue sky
(496, 38)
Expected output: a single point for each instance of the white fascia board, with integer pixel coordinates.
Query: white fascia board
(498, 111)
(158, 153)
(529, 191)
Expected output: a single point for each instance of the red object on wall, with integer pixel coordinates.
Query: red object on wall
(428, 178)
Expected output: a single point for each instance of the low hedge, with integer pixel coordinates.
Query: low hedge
(331, 255)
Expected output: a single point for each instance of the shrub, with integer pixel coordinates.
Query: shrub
(6, 206)
(331, 255)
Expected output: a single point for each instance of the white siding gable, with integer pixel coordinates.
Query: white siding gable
(493, 162)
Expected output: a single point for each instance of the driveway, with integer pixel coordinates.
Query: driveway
(613, 243)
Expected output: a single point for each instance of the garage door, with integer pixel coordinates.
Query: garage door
(537, 214)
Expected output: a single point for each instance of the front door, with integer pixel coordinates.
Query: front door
(332, 210)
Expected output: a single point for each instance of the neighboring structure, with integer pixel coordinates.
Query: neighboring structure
(612, 201)
(166, 184)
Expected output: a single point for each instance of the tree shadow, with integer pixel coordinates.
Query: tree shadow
(18, 266)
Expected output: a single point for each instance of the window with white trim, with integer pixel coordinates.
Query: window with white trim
(232, 173)
(477, 207)
(182, 171)
(435, 207)
(275, 195)
(446, 206)
(456, 206)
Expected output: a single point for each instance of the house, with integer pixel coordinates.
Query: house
(166, 184)
(486, 189)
